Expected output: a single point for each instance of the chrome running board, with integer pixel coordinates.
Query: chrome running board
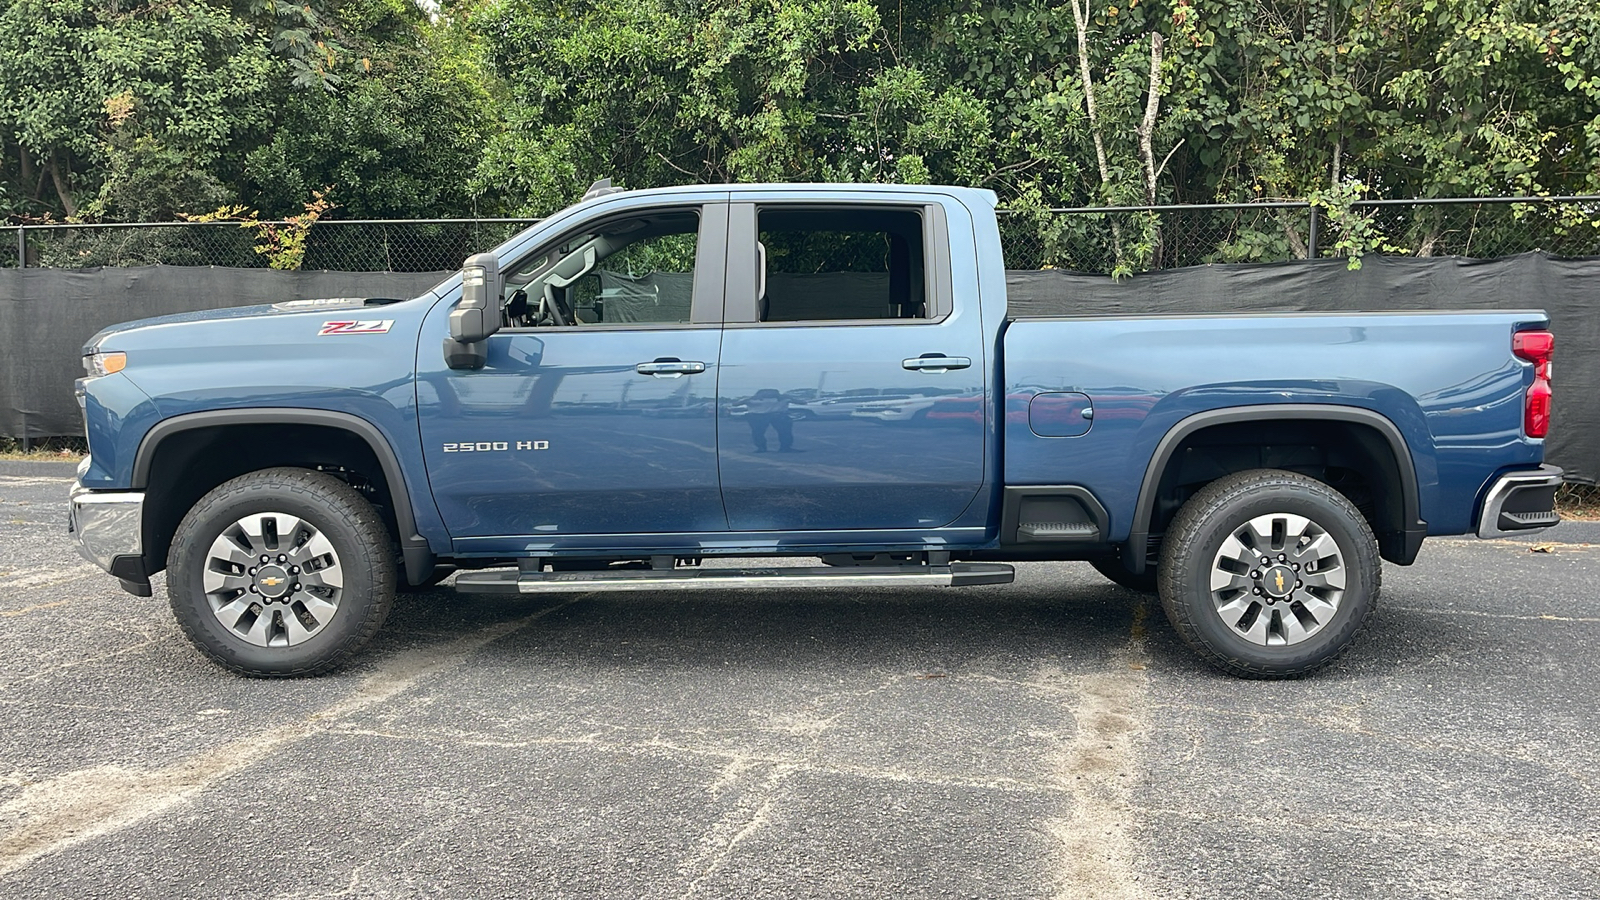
(952, 575)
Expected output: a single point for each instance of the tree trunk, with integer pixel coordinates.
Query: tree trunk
(62, 178)
(32, 172)
(1147, 154)
(1080, 16)
(1296, 243)
(1152, 103)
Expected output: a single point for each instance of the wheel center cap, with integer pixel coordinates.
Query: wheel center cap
(1278, 581)
(272, 581)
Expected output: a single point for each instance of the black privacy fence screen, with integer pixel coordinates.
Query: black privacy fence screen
(59, 284)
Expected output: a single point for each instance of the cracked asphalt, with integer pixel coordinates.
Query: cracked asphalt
(1049, 738)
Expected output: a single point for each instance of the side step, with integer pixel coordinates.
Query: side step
(953, 575)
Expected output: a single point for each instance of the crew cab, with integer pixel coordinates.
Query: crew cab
(651, 384)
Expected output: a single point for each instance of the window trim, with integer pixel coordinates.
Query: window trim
(741, 309)
(706, 296)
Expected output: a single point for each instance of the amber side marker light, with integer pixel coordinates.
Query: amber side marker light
(102, 363)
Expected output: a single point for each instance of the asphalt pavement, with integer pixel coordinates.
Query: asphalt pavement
(1050, 738)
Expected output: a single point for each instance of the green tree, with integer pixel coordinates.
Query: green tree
(399, 136)
(678, 91)
(127, 92)
(139, 110)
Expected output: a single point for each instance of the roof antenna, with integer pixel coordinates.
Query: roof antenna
(600, 189)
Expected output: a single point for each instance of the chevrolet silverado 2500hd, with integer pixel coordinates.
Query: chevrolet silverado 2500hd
(650, 381)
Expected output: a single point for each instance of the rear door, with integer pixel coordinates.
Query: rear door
(841, 340)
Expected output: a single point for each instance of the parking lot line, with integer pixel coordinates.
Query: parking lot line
(88, 803)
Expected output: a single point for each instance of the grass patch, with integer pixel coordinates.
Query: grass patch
(54, 449)
(1579, 501)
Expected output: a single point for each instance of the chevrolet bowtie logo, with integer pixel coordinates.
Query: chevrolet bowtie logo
(274, 582)
(1280, 581)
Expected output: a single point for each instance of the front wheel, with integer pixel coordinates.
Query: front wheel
(281, 572)
(1269, 574)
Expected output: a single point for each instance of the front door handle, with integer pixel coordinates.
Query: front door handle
(934, 363)
(669, 367)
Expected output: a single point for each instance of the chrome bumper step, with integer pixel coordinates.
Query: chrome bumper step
(1519, 502)
(953, 575)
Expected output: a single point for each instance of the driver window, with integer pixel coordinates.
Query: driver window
(637, 270)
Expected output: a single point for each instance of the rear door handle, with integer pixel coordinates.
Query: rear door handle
(669, 367)
(934, 363)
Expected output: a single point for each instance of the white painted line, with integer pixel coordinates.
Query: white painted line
(1099, 769)
(78, 806)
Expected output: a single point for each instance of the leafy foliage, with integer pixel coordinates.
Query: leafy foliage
(143, 109)
(94, 91)
(282, 242)
(130, 109)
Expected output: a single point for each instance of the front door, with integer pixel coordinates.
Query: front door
(594, 413)
(852, 389)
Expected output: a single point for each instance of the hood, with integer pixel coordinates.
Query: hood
(331, 304)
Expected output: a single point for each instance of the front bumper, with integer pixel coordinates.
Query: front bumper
(108, 526)
(1519, 502)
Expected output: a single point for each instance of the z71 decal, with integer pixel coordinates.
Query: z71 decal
(361, 326)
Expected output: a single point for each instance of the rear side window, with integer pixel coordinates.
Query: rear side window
(826, 264)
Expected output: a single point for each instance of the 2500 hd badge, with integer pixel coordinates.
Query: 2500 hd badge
(492, 446)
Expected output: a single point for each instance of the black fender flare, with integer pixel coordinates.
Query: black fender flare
(1404, 551)
(414, 549)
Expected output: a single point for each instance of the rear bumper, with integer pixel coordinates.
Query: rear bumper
(108, 526)
(1519, 502)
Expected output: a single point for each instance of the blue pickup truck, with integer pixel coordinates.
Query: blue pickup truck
(650, 384)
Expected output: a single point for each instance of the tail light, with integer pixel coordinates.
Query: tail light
(1536, 347)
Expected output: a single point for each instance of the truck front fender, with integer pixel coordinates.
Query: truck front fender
(414, 548)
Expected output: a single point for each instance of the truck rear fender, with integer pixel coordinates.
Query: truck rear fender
(1205, 446)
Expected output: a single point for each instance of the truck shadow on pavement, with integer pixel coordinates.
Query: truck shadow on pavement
(922, 631)
(1074, 625)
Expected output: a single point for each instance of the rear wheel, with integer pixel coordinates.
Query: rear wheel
(281, 572)
(1269, 574)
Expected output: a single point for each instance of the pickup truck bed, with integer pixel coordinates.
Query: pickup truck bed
(1421, 375)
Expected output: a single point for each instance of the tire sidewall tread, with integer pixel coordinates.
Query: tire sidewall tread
(340, 512)
(1190, 545)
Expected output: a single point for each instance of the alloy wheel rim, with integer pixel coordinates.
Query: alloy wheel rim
(1278, 579)
(273, 579)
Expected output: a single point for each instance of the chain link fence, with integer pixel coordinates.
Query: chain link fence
(399, 245)
(1135, 239)
(1116, 239)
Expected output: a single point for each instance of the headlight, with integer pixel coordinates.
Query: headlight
(101, 362)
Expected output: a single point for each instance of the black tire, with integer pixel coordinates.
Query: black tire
(1193, 549)
(1112, 568)
(360, 548)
